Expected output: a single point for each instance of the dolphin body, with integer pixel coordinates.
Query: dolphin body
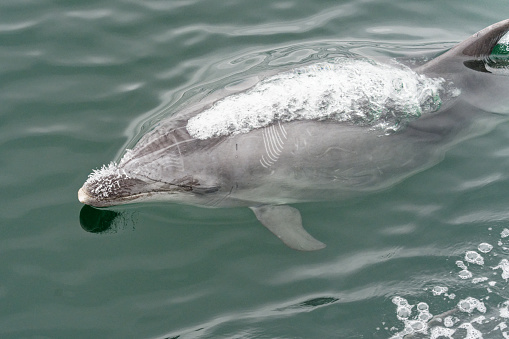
(268, 163)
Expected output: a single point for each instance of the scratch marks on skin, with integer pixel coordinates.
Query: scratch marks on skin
(162, 155)
(176, 158)
(274, 138)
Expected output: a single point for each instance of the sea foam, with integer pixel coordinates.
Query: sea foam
(356, 91)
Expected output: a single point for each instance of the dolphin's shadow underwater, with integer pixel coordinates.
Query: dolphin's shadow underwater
(321, 132)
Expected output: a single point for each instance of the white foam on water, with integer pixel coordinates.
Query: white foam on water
(505, 233)
(348, 90)
(471, 304)
(439, 290)
(472, 332)
(414, 323)
(471, 317)
(450, 321)
(479, 280)
(465, 274)
(441, 332)
(504, 266)
(474, 258)
(461, 265)
(504, 310)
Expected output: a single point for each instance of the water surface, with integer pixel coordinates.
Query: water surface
(80, 81)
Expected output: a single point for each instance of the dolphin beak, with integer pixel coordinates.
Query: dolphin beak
(83, 197)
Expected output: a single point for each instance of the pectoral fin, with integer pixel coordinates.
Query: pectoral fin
(286, 223)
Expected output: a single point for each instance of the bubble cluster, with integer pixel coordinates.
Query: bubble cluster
(474, 258)
(470, 317)
(504, 310)
(471, 304)
(505, 233)
(504, 266)
(439, 290)
(464, 273)
(450, 321)
(357, 91)
(418, 323)
(479, 280)
(441, 332)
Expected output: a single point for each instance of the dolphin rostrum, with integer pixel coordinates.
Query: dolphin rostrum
(325, 131)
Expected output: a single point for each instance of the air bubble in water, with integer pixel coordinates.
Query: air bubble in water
(417, 325)
(470, 304)
(504, 266)
(403, 312)
(465, 306)
(425, 316)
(450, 321)
(472, 332)
(422, 307)
(465, 274)
(438, 290)
(505, 233)
(474, 258)
(485, 247)
(461, 265)
(478, 280)
(441, 332)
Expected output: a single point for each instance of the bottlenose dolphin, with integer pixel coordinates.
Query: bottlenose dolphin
(326, 131)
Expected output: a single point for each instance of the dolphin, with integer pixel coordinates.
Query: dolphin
(325, 131)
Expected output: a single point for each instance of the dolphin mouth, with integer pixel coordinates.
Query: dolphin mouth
(113, 189)
(87, 198)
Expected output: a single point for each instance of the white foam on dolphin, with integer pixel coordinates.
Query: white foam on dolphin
(357, 91)
(103, 181)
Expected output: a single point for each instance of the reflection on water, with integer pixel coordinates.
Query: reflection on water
(102, 221)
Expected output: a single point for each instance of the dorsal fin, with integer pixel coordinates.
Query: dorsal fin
(479, 46)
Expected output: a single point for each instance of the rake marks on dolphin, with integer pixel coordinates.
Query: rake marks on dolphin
(274, 142)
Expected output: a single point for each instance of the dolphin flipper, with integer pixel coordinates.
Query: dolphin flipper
(286, 223)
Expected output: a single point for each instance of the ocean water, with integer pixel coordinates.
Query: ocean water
(81, 81)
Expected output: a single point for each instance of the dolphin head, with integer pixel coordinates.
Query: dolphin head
(153, 171)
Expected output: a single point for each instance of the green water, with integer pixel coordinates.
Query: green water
(80, 80)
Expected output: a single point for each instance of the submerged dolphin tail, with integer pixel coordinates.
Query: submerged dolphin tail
(286, 223)
(477, 47)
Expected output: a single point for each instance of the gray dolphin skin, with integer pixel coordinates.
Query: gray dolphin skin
(327, 131)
